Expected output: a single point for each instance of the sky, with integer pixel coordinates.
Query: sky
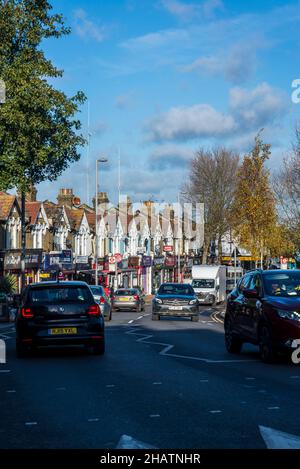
(164, 78)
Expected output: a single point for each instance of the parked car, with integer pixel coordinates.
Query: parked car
(103, 300)
(175, 299)
(59, 313)
(128, 298)
(264, 309)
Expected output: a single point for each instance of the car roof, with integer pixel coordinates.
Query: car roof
(60, 283)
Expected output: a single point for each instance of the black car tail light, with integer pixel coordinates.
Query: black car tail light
(94, 310)
(27, 313)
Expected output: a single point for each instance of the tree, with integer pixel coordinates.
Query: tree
(8, 284)
(39, 133)
(212, 179)
(287, 189)
(254, 209)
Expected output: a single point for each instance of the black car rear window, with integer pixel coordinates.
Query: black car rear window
(176, 290)
(59, 294)
(126, 292)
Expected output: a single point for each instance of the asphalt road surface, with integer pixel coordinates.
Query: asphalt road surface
(167, 384)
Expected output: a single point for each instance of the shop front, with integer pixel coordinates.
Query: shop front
(11, 264)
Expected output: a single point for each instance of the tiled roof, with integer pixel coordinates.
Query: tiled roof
(32, 211)
(74, 216)
(6, 203)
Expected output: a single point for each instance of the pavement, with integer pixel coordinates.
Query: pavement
(161, 384)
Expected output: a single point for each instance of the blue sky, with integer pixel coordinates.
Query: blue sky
(166, 77)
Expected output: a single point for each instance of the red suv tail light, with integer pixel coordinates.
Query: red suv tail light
(94, 310)
(102, 300)
(136, 297)
(26, 313)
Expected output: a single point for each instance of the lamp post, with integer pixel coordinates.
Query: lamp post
(98, 161)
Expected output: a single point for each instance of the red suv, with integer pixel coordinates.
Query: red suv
(264, 309)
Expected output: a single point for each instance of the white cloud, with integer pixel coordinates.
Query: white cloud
(170, 156)
(257, 107)
(188, 11)
(249, 110)
(87, 29)
(184, 123)
(123, 101)
(211, 6)
(155, 40)
(237, 66)
(179, 9)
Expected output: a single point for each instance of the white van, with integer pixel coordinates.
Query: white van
(209, 283)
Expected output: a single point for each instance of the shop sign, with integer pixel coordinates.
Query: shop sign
(12, 260)
(168, 248)
(133, 261)
(158, 262)
(170, 261)
(146, 261)
(82, 259)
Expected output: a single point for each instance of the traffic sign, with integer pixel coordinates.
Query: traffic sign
(118, 257)
(112, 260)
(284, 260)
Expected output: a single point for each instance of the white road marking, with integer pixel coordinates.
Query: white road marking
(148, 314)
(157, 382)
(127, 442)
(11, 390)
(131, 321)
(4, 371)
(295, 377)
(30, 423)
(140, 317)
(203, 380)
(110, 385)
(274, 408)
(167, 347)
(249, 378)
(154, 416)
(215, 411)
(275, 439)
(93, 420)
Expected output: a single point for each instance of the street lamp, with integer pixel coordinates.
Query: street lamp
(98, 161)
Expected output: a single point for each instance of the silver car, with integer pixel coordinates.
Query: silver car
(128, 299)
(103, 301)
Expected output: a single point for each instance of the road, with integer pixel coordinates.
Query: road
(168, 384)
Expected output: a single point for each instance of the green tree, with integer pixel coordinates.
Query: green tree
(39, 131)
(254, 208)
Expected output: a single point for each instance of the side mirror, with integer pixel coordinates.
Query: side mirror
(250, 293)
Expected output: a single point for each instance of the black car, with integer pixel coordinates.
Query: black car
(175, 299)
(59, 313)
(264, 309)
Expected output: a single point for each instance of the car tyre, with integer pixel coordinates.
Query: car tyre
(232, 342)
(266, 348)
(155, 317)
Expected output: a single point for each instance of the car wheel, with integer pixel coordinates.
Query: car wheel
(195, 318)
(232, 342)
(99, 348)
(266, 348)
(155, 317)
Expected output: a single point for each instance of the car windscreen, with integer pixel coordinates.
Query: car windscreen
(282, 284)
(126, 292)
(203, 283)
(97, 291)
(175, 290)
(59, 294)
